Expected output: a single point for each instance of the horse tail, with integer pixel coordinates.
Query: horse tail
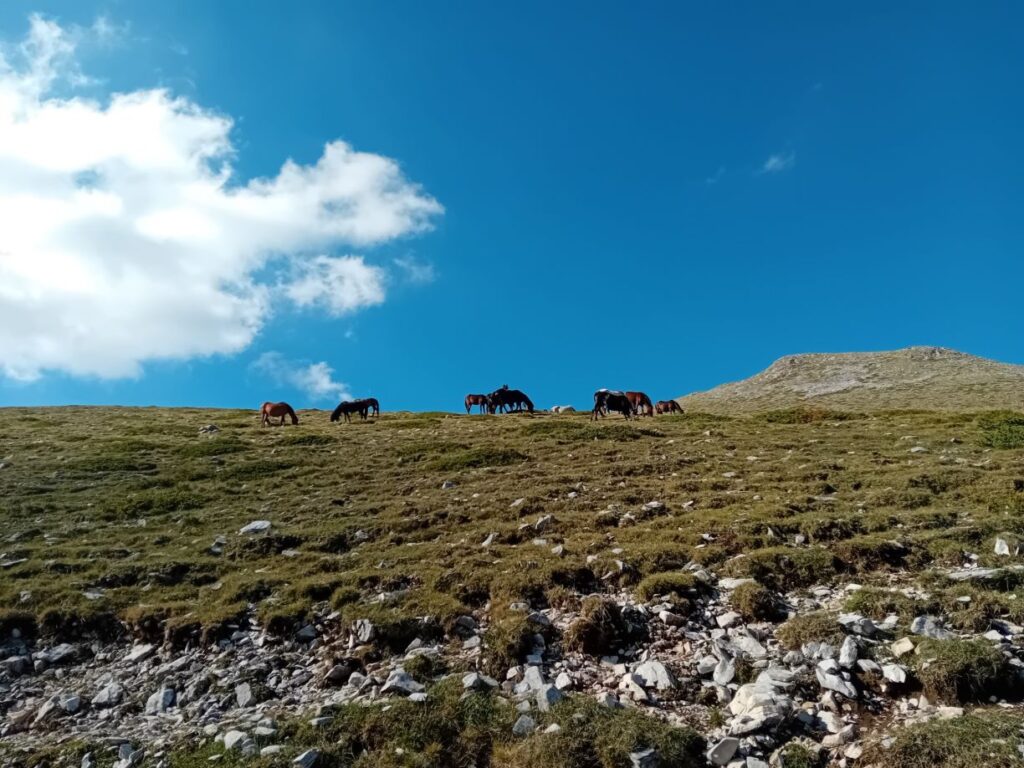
(336, 413)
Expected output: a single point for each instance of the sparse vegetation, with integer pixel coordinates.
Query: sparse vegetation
(128, 503)
(754, 602)
(818, 626)
(960, 670)
(988, 738)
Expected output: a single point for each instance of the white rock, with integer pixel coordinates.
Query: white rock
(848, 652)
(256, 526)
(139, 653)
(894, 673)
(307, 759)
(722, 752)
(728, 619)
(902, 647)
(654, 674)
(524, 726)
(724, 671)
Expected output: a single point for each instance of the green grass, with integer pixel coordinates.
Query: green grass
(982, 738)
(130, 500)
(961, 670)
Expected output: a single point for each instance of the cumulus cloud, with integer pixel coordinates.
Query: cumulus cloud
(126, 237)
(340, 285)
(778, 162)
(314, 379)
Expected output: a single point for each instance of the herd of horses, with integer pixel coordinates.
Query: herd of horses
(504, 400)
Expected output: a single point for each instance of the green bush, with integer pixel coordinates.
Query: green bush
(1002, 429)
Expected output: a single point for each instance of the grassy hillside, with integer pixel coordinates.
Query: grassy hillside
(116, 512)
(913, 378)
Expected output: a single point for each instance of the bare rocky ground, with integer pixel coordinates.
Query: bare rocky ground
(680, 659)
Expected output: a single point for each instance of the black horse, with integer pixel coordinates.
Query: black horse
(606, 400)
(511, 399)
(347, 407)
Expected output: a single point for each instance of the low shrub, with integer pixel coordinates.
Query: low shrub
(960, 670)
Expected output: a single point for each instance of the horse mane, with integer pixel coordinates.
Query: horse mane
(336, 413)
(291, 412)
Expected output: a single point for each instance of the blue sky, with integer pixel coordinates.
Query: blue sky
(659, 197)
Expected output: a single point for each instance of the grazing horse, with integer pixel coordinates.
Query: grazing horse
(371, 405)
(480, 400)
(599, 397)
(667, 406)
(642, 405)
(606, 400)
(512, 399)
(274, 410)
(347, 407)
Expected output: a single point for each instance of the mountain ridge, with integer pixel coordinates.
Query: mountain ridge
(918, 377)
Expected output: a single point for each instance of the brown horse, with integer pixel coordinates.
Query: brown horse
(275, 410)
(347, 407)
(606, 400)
(480, 400)
(642, 405)
(667, 406)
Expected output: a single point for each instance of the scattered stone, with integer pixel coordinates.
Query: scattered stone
(848, 652)
(724, 671)
(894, 673)
(902, 647)
(524, 726)
(110, 695)
(160, 701)
(256, 526)
(728, 619)
(307, 759)
(399, 681)
(654, 674)
(548, 696)
(363, 630)
(929, 627)
(829, 677)
(244, 696)
(722, 752)
(644, 758)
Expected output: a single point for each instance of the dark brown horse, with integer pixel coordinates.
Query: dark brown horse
(667, 406)
(480, 400)
(275, 410)
(606, 400)
(371, 405)
(512, 399)
(347, 407)
(642, 405)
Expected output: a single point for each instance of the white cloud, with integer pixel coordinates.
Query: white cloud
(340, 284)
(416, 271)
(125, 237)
(778, 162)
(315, 379)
